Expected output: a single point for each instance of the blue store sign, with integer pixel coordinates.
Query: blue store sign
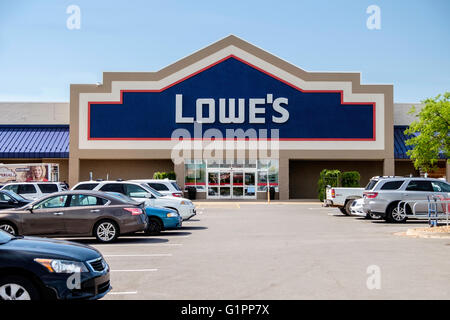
(232, 94)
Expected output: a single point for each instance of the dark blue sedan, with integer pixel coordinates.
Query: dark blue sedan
(43, 269)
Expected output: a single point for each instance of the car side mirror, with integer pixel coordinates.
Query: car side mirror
(149, 196)
(12, 201)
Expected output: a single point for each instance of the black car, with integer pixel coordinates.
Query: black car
(37, 268)
(9, 199)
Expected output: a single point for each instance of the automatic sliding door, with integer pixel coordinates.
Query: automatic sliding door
(250, 185)
(213, 184)
(225, 184)
(238, 184)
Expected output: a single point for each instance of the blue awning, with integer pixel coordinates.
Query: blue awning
(34, 141)
(400, 147)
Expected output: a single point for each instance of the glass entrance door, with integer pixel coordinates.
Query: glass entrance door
(231, 183)
(225, 184)
(238, 184)
(250, 185)
(213, 184)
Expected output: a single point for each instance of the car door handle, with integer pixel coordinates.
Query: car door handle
(58, 213)
(95, 210)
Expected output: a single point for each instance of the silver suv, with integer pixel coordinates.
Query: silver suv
(383, 195)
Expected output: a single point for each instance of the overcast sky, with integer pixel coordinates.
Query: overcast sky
(40, 56)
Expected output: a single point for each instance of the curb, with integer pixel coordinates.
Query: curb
(424, 233)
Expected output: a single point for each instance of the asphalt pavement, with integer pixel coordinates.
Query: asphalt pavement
(284, 250)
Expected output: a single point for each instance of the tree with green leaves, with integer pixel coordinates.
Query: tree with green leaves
(430, 132)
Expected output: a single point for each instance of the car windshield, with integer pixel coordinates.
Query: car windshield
(371, 184)
(120, 196)
(5, 237)
(175, 185)
(155, 193)
(17, 196)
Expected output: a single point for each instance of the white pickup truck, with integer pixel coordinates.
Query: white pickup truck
(342, 198)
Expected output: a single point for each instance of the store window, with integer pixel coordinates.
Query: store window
(195, 174)
(267, 174)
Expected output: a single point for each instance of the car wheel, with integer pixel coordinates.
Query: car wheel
(17, 288)
(396, 215)
(8, 227)
(348, 209)
(154, 227)
(106, 231)
(374, 216)
(343, 210)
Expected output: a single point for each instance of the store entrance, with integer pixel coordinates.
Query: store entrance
(231, 183)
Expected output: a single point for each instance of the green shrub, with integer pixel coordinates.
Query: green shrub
(334, 178)
(165, 175)
(171, 175)
(157, 175)
(350, 179)
(327, 177)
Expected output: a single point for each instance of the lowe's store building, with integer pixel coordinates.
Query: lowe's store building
(230, 119)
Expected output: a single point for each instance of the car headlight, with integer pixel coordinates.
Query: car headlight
(172, 214)
(62, 266)
(186, 202)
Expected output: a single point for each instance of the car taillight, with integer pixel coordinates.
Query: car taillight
(134, 211)
(371, 195)
(176, 194)
(333, 193)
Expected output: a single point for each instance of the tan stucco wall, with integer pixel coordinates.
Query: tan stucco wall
(123, 169)
(34, 113)
(405, 168)
(78, 166)
(401, 113)
(305, 174)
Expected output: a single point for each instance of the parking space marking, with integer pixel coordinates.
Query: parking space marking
(135, 270)
(122, 293)
(138, 245)
(138, 255)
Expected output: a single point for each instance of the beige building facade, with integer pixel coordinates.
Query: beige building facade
(138, 123)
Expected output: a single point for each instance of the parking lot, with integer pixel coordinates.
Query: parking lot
(285, 250)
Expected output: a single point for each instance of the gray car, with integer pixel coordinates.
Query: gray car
(383, 195)
(76, 213)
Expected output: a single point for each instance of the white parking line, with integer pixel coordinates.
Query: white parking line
(136, 270)
(138, 244)
(122, 293)
(138, 255)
